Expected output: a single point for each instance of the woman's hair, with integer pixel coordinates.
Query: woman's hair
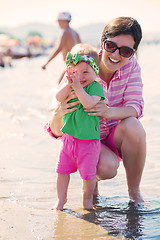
(86, 49)
(123, 25)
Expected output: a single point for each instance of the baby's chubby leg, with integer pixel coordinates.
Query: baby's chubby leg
(62, 188)
(88, 189)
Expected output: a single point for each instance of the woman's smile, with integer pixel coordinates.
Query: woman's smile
(113, 60)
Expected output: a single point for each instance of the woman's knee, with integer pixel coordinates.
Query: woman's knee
(132, 129)
(107, 165)
(106, 173)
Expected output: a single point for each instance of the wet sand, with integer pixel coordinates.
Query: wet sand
(14, 222)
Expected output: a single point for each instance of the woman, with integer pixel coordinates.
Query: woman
(122, 133)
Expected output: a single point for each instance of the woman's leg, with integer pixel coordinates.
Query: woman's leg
(107, 166)
(88, 188)
(62, 188)
(130, 139)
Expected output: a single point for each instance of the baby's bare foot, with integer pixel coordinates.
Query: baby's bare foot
(88, 203)
(59, 205)
(96, 192)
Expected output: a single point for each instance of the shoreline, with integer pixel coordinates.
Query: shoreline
(17, 222)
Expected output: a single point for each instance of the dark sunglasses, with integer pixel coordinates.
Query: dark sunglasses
(110, 46)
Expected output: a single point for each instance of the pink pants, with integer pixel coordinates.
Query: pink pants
(109, 142)
(79, 154)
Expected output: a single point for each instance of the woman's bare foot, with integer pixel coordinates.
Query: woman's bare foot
(135, 196)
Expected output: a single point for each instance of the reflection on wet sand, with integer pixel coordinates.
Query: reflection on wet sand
(68, 224)
(118, 222)
(71, 225)
(119, 219)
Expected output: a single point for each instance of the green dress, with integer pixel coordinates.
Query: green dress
(78, 124)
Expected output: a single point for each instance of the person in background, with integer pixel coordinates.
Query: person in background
(67, 40)
(123, 135)
(81, 133)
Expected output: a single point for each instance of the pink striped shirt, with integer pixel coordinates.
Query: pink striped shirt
(125, 89)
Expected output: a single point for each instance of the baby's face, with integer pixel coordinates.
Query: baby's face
(85, 73)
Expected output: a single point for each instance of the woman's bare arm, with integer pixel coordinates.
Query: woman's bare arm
(117, 113)
(56, 121)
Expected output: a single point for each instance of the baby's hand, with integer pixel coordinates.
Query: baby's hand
(69, 75)
(73, 78)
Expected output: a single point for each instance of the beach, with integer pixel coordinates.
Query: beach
(28, 159)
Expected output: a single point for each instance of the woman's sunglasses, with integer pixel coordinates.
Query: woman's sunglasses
(110, 46)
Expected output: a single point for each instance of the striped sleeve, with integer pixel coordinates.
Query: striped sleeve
(48, 129)
(133, 92)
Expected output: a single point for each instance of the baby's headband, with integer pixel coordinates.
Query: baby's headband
(82, 58)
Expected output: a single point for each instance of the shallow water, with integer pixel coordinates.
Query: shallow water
(28, 158)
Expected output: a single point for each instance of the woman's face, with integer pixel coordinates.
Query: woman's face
(114, 61)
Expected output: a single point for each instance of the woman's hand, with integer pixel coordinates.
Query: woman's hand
(116, 113)
(65, 106)
(100, 109)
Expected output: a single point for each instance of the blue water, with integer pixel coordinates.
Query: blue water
(120, 217)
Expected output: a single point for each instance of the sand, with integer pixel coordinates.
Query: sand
(14, 223)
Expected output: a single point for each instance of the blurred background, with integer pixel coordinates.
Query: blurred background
(29, 28)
